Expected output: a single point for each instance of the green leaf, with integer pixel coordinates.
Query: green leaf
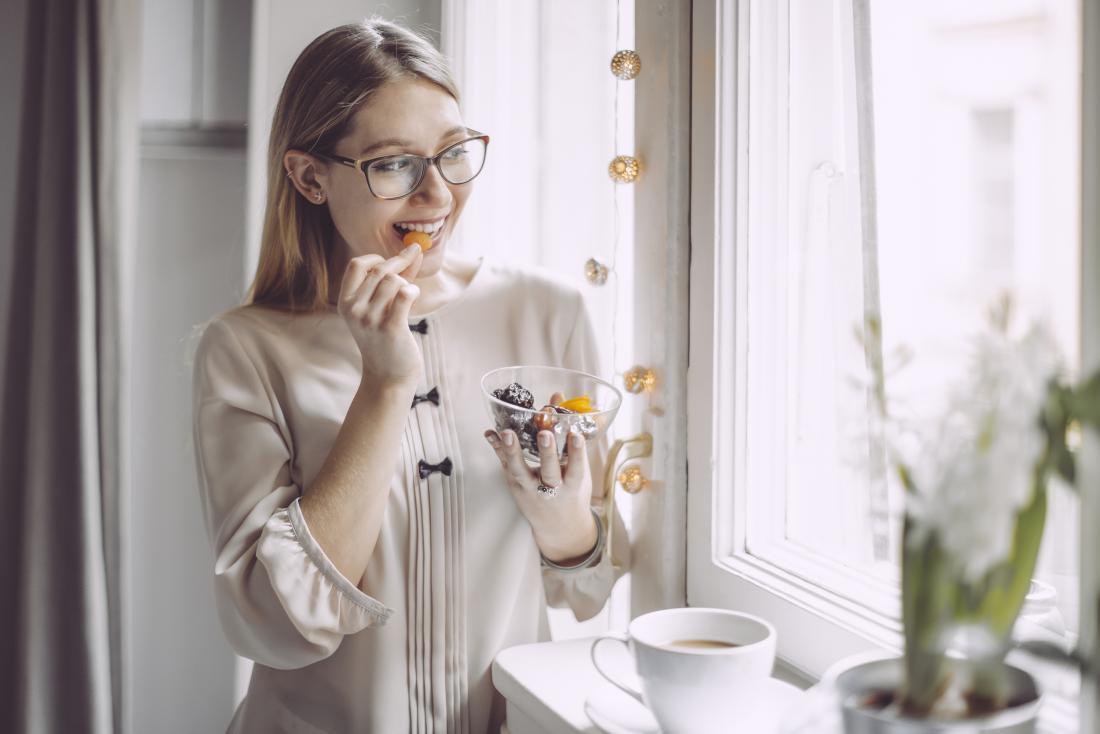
(1005, 598)
(1085, 402)
(928, 597)
(1065, 464)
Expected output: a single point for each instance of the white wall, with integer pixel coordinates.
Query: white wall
(196, 71)
(190, 236)
(188, 267)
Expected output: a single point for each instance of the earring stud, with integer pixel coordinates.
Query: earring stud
(317, 196)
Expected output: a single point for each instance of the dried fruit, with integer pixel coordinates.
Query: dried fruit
(580, 404)
(418, 238)
(515, 394)
(546, 418)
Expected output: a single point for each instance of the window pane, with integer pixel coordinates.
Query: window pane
(977, 148)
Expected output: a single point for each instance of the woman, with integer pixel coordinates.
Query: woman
(372, 559)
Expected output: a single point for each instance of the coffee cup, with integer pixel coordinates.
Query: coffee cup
(701, 670)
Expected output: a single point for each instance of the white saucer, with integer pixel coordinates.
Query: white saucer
(614, 712)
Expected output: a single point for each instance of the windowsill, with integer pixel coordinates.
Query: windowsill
(546, 685)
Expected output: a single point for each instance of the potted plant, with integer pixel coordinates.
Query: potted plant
(976, 495)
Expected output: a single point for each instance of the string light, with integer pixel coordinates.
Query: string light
(595, 271)
(639, 379)
(624, 169)
(626, 64)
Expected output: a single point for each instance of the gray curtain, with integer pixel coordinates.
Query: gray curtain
(62, 412)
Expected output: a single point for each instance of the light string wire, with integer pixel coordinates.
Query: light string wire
(615, 208)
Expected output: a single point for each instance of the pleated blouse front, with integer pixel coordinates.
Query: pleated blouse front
(455, 576)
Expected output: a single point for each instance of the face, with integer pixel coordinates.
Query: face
(405, 116)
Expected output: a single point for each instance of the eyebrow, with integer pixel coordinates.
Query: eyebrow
(401, 143)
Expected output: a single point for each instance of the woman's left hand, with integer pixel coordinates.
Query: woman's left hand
(564, 527)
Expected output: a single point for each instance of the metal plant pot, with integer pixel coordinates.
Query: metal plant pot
(856, 683)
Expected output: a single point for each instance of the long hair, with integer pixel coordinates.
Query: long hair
(331, 79)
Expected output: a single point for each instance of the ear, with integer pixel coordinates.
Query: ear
(308, 174)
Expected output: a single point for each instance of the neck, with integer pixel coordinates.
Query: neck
(440, 288)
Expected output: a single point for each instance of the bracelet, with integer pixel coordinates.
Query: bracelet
(592, 558)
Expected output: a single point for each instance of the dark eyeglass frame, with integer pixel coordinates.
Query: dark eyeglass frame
(363, 164)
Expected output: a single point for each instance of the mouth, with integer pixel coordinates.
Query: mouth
(434, 228)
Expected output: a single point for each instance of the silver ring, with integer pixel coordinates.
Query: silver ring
(547, 493)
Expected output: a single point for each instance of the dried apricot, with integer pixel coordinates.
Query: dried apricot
(418, 238)
(581, 404)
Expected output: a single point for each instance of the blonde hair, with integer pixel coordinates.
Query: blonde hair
(336, 74)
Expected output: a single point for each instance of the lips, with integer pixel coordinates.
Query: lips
(432, 227)
(429, 226)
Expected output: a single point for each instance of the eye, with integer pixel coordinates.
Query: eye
(392, 165)
(456, 153)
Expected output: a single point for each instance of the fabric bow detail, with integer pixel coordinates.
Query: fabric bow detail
(432, 396)
(421, 328)
(444, 466)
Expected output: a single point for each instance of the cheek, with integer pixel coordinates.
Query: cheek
(460, 195)
(364, 225)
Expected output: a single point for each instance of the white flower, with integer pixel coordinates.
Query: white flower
(973, 470)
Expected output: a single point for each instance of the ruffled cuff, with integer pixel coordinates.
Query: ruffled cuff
(585, 588)
(321, 603)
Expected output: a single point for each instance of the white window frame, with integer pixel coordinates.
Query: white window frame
(1089, 467)
(817, 626)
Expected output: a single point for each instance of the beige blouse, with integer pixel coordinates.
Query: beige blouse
(455, 577)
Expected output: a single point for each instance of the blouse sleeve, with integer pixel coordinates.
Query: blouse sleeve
(292, 608)
(586, 590)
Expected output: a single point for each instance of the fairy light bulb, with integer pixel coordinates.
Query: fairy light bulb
(624, 169)
(626, 65)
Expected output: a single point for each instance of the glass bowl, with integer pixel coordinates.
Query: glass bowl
(542, 383)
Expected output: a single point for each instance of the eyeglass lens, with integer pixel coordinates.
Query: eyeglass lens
(398, 175)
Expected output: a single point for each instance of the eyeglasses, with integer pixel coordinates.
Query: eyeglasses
(397, 176)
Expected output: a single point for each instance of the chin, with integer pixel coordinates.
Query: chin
(433, 262)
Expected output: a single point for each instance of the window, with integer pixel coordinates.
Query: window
(977, 145)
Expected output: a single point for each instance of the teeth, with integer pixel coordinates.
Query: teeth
(426, 227)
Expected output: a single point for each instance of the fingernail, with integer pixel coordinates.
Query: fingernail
(509, 438)
(411, 249)
(544, 439)
(492, 439)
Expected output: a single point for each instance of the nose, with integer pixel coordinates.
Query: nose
(433, 190)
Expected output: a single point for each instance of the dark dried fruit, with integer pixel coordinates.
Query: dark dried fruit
(515, 394)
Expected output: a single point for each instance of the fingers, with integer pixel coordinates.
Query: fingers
(380, 270)
(413, 269)
(354, 274)
(379, 303)
(367, 271)
(498, 447)
(577, 467)
(511, 458)
(398, 315)
(549, 463)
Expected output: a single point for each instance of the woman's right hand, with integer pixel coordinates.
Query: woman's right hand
(375, 298)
